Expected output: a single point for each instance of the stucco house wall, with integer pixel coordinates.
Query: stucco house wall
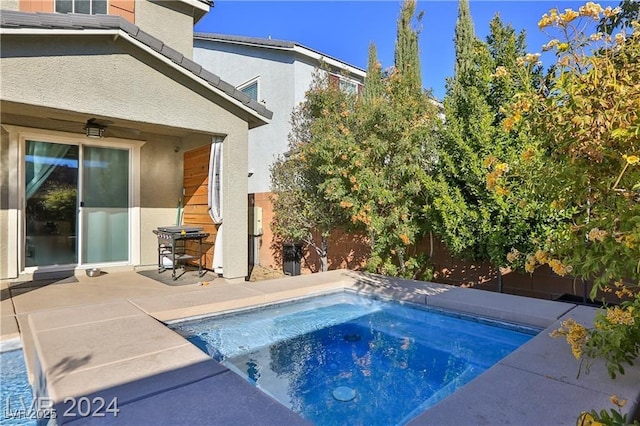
(276, 73)
(169, 21)
(304, 71)
(284, 75)
(285, 71)
(52, 84)
(10, 4)
(89, 76)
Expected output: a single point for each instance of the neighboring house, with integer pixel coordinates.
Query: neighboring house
(277, 74)
(97, 112)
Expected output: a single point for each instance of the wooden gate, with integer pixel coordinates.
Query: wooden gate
(196, 187)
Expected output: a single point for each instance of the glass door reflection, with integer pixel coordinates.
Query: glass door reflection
(51, 194)
(105, 205)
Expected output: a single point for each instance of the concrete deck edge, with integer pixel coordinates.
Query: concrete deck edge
(532, 312)
(10, 344)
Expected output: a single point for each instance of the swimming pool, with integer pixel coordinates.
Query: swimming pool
(347, 359)
(16, 393)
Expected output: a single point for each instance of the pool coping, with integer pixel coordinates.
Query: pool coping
(123, 349)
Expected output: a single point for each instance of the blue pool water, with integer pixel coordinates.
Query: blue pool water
(15, 390)
(344, 359)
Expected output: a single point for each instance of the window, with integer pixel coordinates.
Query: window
(348, 86)
(345, 84)
(88, 7)
(250, 89)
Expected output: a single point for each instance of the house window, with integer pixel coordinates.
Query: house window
(87, 7)
(250, 89)
(348, 86)
(345, 84)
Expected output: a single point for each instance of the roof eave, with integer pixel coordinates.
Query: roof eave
(201, 5)
(291, 47)
(203, 37)
(310, 53)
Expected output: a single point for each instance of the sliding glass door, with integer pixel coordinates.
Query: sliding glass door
(105, 205)
(77, 204)
(51, 194)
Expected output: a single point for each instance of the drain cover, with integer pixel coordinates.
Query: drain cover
(352, 337)
(344, 393)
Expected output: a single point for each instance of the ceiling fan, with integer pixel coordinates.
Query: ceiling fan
(105, 128)
(95, 128)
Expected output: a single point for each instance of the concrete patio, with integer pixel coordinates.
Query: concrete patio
(104, 337)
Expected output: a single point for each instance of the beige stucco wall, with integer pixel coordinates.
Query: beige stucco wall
(10, 4)
(169, 21)
(8, 209)
(4, 200)
(102, 79)
(161, 187)
(90, 76)
(235, 212)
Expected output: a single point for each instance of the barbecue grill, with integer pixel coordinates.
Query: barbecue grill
(172, 246)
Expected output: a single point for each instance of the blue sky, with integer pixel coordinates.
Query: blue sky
(344, 29)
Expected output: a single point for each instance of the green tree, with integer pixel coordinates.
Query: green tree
(471, 215)
(395, 146)
(365, 161)
(587, 130)
(463, 144)
(628, 11)
(374, 154)
(505, 47)
(464, 141)
(380, 183)
(515, 219)
(373, 84)
(464, 40)
(407, 57)
(301, 210)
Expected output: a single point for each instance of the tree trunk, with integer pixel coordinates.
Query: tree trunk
(430, 244)
(324, 262)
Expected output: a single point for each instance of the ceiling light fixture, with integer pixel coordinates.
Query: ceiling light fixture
(94, 130)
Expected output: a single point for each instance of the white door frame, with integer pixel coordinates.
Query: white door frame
(17, 138)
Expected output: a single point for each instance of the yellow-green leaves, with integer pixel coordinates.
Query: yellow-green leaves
(586, 163)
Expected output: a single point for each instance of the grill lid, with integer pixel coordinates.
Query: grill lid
(179, 229)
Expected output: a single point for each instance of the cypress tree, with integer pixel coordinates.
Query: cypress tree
(407, 60)
(467, 136)
(373, 87)
(474, 147)
(466, 141)
(505, 45)
(464, 40)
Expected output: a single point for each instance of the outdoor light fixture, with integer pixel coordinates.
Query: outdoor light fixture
(94, 130)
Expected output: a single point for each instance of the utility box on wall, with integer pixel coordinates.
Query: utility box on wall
(255, 221)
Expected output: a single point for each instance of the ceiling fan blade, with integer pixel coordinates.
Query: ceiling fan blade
(99, 122)
(122, 132)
